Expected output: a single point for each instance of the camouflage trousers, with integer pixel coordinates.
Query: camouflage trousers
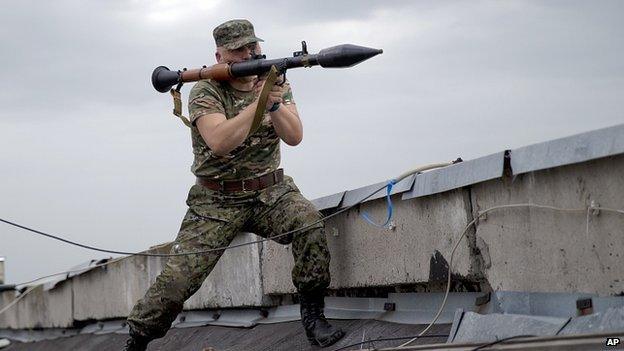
(212, 221)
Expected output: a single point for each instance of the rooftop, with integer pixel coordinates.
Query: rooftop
(532, 238)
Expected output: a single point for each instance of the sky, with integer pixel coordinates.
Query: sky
(90, 151)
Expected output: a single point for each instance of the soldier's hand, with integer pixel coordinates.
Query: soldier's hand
(275, 95)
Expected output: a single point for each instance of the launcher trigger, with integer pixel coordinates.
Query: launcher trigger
(283, 77)
(281, 71)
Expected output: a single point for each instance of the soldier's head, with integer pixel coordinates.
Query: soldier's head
(236, 41)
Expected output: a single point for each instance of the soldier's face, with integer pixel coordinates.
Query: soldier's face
(237, 55)
(241, 54)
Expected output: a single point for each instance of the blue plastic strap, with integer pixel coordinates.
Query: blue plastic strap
(365, 215)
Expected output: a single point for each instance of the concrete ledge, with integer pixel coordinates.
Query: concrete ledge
(39, 309)
(521, 249)
(542, 250)
(235, 281)
(110, 291)
(8, 319)
(365, 256)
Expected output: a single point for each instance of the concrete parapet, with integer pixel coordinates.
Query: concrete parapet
(512, 249)
(111, 292)
(542, 250)
(365, 256)
(39, 308)
(8, 319)
(1, 270)
(235, 281)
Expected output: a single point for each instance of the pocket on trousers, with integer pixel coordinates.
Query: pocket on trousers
(273, 193)
(215, 212)
(210, 205)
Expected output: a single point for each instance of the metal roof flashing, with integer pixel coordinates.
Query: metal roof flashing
(569, 150)
(559, 152)
(458, 175)
(354, 196)
(329, 201)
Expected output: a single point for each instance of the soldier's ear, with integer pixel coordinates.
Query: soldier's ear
(218, 56)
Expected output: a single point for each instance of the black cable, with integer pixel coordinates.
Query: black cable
(65, 240)
(500, 341)
(393, 339)
(51, 236)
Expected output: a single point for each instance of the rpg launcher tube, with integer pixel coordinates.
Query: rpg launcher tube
(341, 56)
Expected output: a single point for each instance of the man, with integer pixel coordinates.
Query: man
(239, 188)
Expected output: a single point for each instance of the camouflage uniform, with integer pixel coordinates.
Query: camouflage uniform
(214, 218)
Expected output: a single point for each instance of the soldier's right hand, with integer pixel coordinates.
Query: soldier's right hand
(275, 95)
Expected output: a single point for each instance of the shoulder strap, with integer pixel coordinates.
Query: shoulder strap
(264, 95)
(177, 107)
(260, 109)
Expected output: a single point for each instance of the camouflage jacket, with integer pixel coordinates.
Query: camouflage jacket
(257, 155)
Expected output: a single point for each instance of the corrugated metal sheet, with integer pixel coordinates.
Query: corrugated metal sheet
(573, 149)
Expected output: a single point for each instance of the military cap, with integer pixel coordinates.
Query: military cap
(235, 34)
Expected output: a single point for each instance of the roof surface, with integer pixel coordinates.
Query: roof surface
(271, 337)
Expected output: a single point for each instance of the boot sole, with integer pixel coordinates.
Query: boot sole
(328, 341)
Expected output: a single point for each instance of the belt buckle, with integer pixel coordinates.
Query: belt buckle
(243, 183)
(222, 185)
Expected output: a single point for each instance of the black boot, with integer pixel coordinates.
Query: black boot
(318, 330)
(136, 343)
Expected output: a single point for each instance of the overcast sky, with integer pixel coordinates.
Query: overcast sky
(91, 152)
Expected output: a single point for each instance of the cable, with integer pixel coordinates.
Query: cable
(392, 339)
(501, 341)
(448, 283)
(398, 179)
(481, 214)
(51, 236)
(606, 209)
(31, 288)
(108, 261)
(401, 177)
(385, 225)
(12, 303)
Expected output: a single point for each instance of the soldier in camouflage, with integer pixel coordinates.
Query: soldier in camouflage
(221, 204)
